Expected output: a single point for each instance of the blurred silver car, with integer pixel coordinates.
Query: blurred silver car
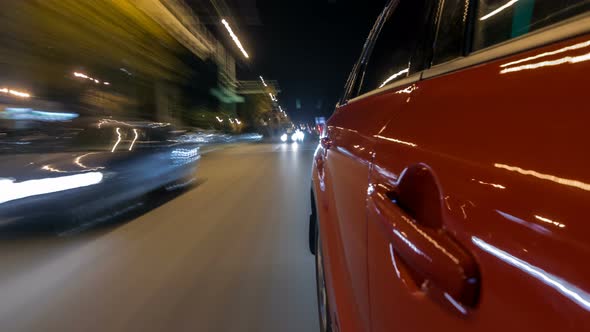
(76, 174)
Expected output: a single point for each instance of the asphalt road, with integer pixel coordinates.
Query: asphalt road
(229, 254)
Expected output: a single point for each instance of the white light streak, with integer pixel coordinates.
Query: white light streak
(81, 75)
(134, 139)
(15, 93)
(552, 178)
(118, 140)
(392, 254)
(542, 55)
(84, 76)
(411, 245)
(394, 76)
(407, 90)
(549, 63)
(263, 82)
(78, 162)
(396, 141)
(500, 9)
(51, 169)
(10, 190)
(549, 221)
(563, 287)
(456, 304)
(219, 119)
(235, 38)
(498, 186)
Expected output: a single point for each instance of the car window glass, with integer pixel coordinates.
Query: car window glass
(353, 83)
(451, 30)
(99, 138)
(397, 41)
(500, 20)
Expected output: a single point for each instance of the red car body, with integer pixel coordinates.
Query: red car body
(456, 198)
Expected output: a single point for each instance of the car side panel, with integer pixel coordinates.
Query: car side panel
(346, 163)
(507, 143)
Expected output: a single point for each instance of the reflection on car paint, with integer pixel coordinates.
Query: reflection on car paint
(394, 76)
(498, 186)
(549, 221)
(575, 294)
(535, 227)
(553, 178)
(548, 63)
(545, 54)
(396, 141)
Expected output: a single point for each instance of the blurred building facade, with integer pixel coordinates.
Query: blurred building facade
(164, 60)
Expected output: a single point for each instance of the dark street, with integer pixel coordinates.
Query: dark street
(229, 254)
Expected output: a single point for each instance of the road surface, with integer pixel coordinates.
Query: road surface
(230, 254)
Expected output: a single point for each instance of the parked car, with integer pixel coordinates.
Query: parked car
(80, 172)
(451, 186)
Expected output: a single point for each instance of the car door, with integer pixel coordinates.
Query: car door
(351, 134)
(347, 144)
(478, 194)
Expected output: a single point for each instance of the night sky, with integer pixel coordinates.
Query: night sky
(309, 46)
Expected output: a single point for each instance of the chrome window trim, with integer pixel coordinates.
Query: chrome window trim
(570, 28)
(391, 86)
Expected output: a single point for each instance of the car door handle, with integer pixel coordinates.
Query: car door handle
(421, 242)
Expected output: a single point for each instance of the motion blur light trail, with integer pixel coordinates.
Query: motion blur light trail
(10, 190)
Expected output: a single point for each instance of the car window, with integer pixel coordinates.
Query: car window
(351, 84)
(352, 87)
(500, 20)
(400, 36)
(452, 22)
(100, 138)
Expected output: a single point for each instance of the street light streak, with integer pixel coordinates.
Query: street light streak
(508, 4)
(263, 82)
(15, 93)
(573, 293)
(396, 141)
(565, 182)
(549, 221)
(84, 76)
(394, 76)
(542, 55)
(80, 75)
(550, 63)
(78, 162)
(134, 139)
(235, 38)
(118, 140)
